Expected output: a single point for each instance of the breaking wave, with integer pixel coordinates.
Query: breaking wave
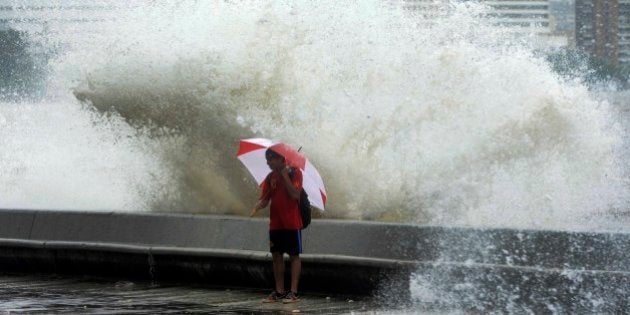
(439, 118)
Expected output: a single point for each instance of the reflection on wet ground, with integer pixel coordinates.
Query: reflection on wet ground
(39, 294)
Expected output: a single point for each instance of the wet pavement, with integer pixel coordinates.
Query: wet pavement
(44, 294)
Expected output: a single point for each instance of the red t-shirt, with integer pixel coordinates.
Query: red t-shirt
(284, 212)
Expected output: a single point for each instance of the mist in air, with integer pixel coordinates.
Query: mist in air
(439, 118)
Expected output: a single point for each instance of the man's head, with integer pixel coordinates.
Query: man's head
(275, 161)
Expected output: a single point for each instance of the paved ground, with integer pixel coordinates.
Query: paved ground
(39, 294)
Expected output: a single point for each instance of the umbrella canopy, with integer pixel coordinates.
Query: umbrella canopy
(251, 153)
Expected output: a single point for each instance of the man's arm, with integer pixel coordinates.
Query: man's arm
(260, 205)
(288, 184)
(264, 198)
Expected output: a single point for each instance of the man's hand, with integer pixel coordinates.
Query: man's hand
(260, 205)
(285, 171)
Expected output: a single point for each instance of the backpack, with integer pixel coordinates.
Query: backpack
(304, 205)
(305, 209)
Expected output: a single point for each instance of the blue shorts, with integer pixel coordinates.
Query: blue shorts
(285, 241)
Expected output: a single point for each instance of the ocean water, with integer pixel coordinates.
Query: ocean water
(437, 118)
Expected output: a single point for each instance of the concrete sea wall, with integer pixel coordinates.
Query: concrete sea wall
(477, 268)
(339, 256)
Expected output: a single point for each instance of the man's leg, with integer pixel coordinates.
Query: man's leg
(278, 271)
(296, 269)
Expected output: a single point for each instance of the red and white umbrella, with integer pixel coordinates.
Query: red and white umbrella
(252, 153)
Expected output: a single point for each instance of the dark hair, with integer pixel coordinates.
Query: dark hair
(271, 154)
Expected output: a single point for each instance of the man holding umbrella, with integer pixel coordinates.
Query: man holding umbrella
(281, 188)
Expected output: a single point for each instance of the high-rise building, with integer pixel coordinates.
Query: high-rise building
(624, 32)
(603, 29)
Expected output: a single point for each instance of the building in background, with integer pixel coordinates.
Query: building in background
(624, 32)
(69, 17)
(562, 19)
(603, 29)
(597, 28)
(551, 20)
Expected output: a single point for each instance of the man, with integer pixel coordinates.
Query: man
(282, 189)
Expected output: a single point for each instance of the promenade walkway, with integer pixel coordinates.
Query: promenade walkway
(45, 294)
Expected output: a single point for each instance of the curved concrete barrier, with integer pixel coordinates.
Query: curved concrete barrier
(339, 256)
